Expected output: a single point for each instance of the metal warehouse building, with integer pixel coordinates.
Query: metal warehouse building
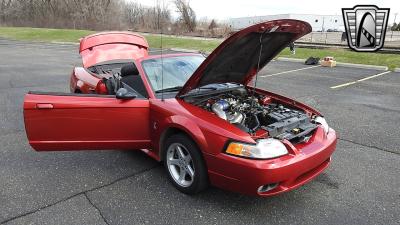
(318, 22)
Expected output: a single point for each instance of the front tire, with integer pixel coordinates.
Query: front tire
(185, 165)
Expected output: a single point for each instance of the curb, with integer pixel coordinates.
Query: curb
(351, 65)
(290, 59)
(185, 50)
(63, 43)
(362, 66)
(397, 70)
(39, 42)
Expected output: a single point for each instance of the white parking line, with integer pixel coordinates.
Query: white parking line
(360, 80)
(290, 71)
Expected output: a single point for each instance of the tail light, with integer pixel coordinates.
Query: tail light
(101, 88)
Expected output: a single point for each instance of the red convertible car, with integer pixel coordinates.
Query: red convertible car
(199, 115)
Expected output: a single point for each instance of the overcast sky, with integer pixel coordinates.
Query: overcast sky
(225, 9)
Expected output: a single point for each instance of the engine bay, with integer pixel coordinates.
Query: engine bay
(259, 115)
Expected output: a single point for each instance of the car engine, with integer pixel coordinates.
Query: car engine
(254, 112)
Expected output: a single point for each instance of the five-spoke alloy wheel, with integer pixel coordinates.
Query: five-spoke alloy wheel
(180, 164)
(185, 165)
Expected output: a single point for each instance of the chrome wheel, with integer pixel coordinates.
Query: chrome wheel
(180, 164)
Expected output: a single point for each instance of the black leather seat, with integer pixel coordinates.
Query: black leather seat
(130, 76)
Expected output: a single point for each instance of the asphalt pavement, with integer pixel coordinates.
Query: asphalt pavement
(362, 185)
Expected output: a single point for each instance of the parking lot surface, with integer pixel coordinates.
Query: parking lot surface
(362, 185)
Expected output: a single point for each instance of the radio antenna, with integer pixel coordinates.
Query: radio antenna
(159, 11)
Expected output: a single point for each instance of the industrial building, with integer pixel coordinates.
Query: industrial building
(321, 23)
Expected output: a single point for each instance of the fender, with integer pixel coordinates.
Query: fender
(184, 124)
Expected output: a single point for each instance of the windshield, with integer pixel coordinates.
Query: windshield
(176, 71)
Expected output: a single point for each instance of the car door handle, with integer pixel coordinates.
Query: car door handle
(44, 106)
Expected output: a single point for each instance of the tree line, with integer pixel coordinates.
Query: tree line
(395, 27)
(104, 15)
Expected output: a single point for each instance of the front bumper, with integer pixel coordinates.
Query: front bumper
(304, 162)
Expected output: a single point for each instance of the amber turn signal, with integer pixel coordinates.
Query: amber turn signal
(235, 148)
(264, 149)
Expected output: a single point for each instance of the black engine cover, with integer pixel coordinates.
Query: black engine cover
(285, 123)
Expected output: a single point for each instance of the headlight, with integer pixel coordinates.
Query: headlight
(264, 149)
(324, 124)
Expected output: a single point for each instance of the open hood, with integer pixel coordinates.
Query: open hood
(236, 59)
(114, 45)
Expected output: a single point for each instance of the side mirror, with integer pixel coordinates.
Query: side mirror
(123, 93)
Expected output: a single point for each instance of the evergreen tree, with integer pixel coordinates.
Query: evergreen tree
(394, 26)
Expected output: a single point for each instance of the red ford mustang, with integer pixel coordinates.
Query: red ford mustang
(197, 114)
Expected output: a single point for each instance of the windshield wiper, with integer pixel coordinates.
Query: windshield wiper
(210, 91)
(171, 89)
(206, 88)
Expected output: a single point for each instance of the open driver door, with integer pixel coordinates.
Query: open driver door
(62, 122)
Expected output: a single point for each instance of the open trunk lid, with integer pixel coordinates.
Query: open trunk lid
(106, 46)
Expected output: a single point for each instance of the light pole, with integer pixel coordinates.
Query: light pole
(391, 36)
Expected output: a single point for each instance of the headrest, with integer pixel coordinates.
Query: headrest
(129, 70)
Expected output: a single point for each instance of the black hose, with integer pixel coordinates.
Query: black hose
(257, 123)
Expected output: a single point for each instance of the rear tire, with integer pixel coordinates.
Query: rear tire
(185, 165)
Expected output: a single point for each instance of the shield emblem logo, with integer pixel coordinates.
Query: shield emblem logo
(365, 27)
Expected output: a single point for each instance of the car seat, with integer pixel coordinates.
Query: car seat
(130, 76)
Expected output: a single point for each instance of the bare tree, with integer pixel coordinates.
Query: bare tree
(84, 14)
(146, 18)
(134, 13)
(93, 14)
(212, 25)
(187, 16)
(4, 8)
